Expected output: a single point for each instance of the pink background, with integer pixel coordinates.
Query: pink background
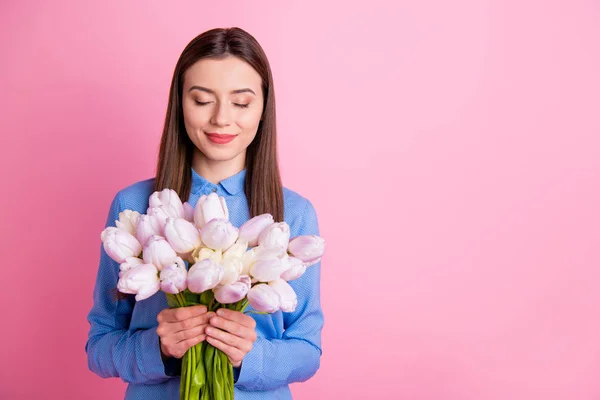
(451, 149)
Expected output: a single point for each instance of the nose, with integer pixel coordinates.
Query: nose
(221, 116)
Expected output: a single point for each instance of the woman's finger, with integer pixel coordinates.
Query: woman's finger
(234, 354)
(238, 317)
(234, 328)
(231, 340)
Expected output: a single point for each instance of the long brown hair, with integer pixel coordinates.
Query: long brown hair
(262, 186)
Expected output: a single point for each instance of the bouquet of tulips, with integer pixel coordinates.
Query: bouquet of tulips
(196, 256)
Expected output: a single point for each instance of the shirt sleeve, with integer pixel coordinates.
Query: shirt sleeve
(295, 357)
(113, 350)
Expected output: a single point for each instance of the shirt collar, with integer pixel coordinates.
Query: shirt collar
(233, 185)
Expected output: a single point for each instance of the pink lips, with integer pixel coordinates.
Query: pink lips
(220, 138)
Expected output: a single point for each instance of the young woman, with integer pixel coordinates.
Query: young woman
(219, 136)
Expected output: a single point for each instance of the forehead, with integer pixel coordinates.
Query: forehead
(223, 75)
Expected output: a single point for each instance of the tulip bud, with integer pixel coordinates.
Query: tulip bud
(188, 212)
(204, 275)
(169, 201)
(202, 253)
(127, 221)
(141, 280)
(120, 244)
(237, 250)
(308, 248)
(159, 219)
(267, 270)
(276, 235)
(248, 259)
(295, 270)
(182, 235)
(173, 278)
(287, 296)
(129, 263)
(263, 298)
(234, 292)
(219, 234)
(159, 252)
(250, 230)
(232, 269)
(146, 227)
(208, 208)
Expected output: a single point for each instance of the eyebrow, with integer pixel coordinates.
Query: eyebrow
(203, 89)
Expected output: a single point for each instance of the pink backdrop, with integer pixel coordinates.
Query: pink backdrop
(451, 149)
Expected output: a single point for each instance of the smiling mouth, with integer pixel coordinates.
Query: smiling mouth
(220, 138)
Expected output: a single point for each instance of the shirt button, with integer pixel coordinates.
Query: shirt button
(214, 190)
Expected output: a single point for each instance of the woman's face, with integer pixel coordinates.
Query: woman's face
(222, 97)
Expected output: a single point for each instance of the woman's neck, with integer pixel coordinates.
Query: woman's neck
(216, 171)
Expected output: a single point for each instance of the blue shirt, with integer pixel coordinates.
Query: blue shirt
(123, 342)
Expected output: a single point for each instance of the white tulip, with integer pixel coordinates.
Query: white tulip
(232, 268)
(237, 250)
(127, 221)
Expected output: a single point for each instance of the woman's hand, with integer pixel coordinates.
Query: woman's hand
(232, 332)
(181, 328)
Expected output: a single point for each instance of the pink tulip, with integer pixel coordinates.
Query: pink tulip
(169, 201)
(296, 269)
(267, 270)
(120, 244)
(141, 280)
(129, 263)
(234, 292)
(159, 252)
(188, 212)
(276, 235)
(251, 229)
(263, 298)
(219, 234)
(204, 275)
(208, 208)
(146, 227)
(308, 248)
(159, 218)
(287, 296)
(173, 278)
(182, 235)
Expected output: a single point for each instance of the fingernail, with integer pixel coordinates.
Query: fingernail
(220, 311)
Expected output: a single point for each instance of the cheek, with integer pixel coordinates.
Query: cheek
(193, 116)
(249, 120)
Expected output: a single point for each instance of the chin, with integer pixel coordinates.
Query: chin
(220, 155)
